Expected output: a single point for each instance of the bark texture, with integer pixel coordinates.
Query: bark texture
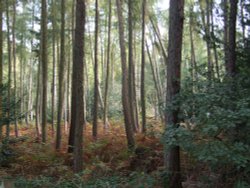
(44, 60)
(176, 18)
(1, 58)
(106, 123)
(125, 93)
(143, 102)
(231, 60)
(96, 83)
(77, 116)
(61, 77)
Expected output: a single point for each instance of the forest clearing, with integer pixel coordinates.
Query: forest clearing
(125, 93)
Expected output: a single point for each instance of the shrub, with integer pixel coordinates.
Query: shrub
(215, 125)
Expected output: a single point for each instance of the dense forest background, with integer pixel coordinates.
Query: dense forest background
(125, 93)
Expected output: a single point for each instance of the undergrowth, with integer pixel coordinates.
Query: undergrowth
(107, 162)
(135, 179)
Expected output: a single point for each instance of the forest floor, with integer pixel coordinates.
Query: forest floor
(105, 157)
(107, 161)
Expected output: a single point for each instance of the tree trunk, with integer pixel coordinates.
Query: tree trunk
(226, 48)
(77, 119)
(176, 18)
(125, 94)
(53, 90)
(30, 102)
(1, 62)
(156, 84)
(242, 6)
(14, 65)
(106, 123)
(69, 75)
(131, 77)
(96, 81)
(193, 56)
(157, 33)
(44, 67)
(216, 58)
(143, 102)
(231, 66)
(208, 40)
(68, 90)
(32, 60)
(9, 68)
(61, 77)
(67, 82)
(93, 63)
(21, 79)
(38, 96)
(205, 17)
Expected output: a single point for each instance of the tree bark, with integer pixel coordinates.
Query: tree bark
(1, 62)
(30, 98)
(38, 96)
(61, 77)
(156, 84)
(208, 40)
(205, 17)
(193, 56)
(96, 80)
(44, 60)
(242, 6)
(143, 102)
(106, 123)
(216, 58)
(131, 74)
(53, 90)
(231, 66)
(77, 111)
(9, 67)
(157, 33)
(14, 65)
(125, 94)
(226, 34)
(176, 18)
(69, 75)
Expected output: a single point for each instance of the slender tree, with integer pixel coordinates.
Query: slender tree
(205, 17)
(54, 83)
(9, 67)
(44, 60)
(156, 83)
(131, 71)
(216, 58)
(158, 35)
(96, 82)
(209, 40)
(14, 63)
(61, 77)
(77, 111)
(176, 18)
(192, 48)
(38, 100)
(1, 59)
(106, 123)
(242, 7)
(231, 64)
(143, 102)
(125, 94)
(77, 119)
(30, 94)
(226, 49)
